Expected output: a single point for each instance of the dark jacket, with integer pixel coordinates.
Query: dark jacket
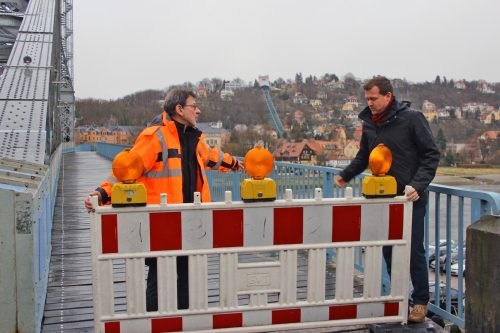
(407, 134)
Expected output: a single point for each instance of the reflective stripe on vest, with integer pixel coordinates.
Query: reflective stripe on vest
(166, 172)
(218, 163)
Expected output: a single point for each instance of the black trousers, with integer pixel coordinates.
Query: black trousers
(418, 264)
(182, 284)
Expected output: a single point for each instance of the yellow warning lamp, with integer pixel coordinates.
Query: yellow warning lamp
(379, 185)
(127, 168)
(259, 162)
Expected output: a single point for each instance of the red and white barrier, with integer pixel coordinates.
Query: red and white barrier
(229, 228)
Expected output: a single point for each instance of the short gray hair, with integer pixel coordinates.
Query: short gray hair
(176, 97)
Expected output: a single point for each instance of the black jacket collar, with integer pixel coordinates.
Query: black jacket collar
(394, 109)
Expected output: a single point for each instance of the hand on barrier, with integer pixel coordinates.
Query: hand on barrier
(88, 203)
(411, 194)
(339, 181)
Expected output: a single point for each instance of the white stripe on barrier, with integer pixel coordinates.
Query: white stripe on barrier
(315, 228)
(256, 318)
(370, 310)
(258, 226)
(375, 222)
(197, 229)
(133, 232)
(315, 313)
(197, 322)
(135, 326)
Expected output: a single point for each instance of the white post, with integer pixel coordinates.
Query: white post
(318, 194)
(348, 193)
(163, 199)
(228, 197)
(197, 198)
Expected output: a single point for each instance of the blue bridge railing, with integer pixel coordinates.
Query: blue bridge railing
(449, 211)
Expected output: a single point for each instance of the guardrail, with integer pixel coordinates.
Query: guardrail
(226, 234)
(461, 207)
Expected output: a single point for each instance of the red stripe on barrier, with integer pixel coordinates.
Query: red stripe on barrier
(112, 327)
(165, 231)
(162, 325)
(396, 217)
(109, 233)
(288, 226)
(286, 316)
(227, 320)
(346, 223)
(228, 228)
(337, 312)
(391, 309)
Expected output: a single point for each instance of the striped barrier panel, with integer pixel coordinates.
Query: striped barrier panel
(230, 231)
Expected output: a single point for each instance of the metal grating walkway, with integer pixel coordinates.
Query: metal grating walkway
(68, 307)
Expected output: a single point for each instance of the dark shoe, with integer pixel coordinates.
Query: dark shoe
(418, 313)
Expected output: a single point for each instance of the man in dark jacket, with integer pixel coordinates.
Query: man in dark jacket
(415, 159)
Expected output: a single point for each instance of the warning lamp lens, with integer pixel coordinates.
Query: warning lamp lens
(259, 162)
(127, 166)
(380, 160)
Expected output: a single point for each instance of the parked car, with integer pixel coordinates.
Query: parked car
(442, 250)
(454, 269)
(432, 256)
(444, 259)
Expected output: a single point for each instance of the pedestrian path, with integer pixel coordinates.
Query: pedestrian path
(68, 307)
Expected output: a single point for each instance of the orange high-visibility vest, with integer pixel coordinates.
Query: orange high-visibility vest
(165, 175)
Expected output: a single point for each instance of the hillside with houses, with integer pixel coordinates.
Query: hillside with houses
(319, 115)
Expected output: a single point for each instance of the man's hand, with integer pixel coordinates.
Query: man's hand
(411, 194)
(88, 203)
(339, 181)
(241, 165)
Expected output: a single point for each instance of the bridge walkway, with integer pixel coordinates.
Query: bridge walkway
(69, 305)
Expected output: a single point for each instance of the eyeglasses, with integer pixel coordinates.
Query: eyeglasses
(194, 106)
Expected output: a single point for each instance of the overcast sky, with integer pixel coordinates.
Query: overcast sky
(124, 46)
